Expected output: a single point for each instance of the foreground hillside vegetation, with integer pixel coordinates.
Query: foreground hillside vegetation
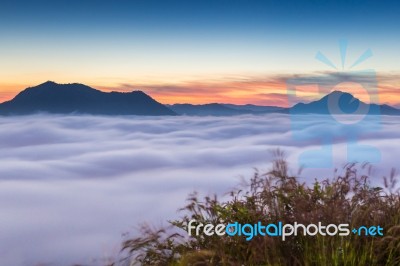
(278, 196)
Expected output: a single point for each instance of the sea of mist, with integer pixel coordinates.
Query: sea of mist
(73, 187)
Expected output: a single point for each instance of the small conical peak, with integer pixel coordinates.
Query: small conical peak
(48, 83)
(340, 93)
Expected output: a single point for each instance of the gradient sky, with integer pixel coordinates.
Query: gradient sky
(193, 51)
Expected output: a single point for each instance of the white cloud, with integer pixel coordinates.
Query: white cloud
(70, 186)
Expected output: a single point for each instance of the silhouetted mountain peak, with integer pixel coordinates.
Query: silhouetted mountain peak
(334, 102)
(52, 97)
(48, 83)
(339, 95)
(54, 85)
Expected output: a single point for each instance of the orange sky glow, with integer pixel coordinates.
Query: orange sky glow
(251, 90)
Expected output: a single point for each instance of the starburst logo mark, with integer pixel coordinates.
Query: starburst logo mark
(345, 100)
(343, 52)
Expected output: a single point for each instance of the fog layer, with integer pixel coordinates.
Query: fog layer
(71, 186)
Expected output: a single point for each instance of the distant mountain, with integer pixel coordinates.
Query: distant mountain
(51, 97)
(338, 102)
(218, 109)
(213, 109)
(257, 108)
(388, 110)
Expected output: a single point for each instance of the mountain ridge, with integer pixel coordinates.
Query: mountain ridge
(51, 97)
(336, 102)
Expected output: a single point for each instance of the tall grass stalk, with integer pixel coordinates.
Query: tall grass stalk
(279, 196)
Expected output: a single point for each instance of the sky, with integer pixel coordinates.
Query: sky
(196, 51)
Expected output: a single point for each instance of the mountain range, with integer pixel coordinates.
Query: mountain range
(218, 109)
(336, 102)
(51, 97)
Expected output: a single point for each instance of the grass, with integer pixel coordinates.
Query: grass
(278, 196)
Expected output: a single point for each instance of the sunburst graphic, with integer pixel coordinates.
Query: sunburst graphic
(343, 44)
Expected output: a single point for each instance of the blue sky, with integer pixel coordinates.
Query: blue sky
(108, 43)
